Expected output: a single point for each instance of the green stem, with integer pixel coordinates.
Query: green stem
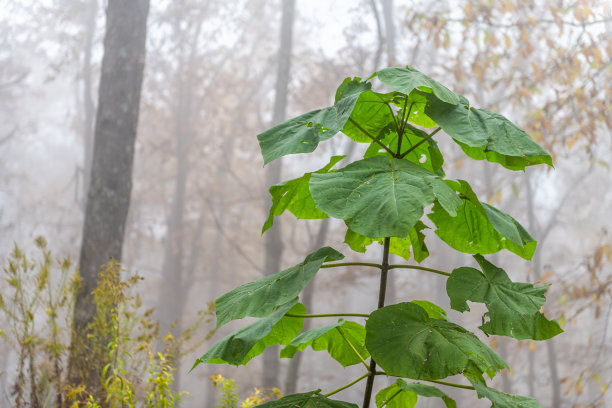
(337, 390)
(307, 316)
(381, 302)
(370, 136)
(375, 265)
(402, 128)
(421, 268)
(352, 347)
(465, 387)
(420, 143)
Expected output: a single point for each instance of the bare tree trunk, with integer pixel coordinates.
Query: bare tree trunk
(108, 196)
(88, 120)
(390, 30)
(379, 35)
(273, 240)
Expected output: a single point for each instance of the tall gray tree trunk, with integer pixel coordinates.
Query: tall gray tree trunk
(273, 240)
(175, 286)
(89, 107)
(389, 30)
(108, 195)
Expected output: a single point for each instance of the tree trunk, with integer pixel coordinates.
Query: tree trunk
(390, 30)
(108, 196)
(174, 287)
(89, 107)
(273, 240)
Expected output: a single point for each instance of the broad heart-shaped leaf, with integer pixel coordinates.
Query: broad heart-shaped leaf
(241, 346)
(307, 400)
(263, 296)
(331, 338)
(514, 308)
(405, 80)
(426, 155)
(394, 397)
(502, 400)
(483, 134)
(398, 246)
(406, 395)
(418, 101)
(380, 196)
(406, 342)
(294, 195)
(480, 228)
(303, 133)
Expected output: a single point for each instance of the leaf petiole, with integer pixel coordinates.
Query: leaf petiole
(334, 265)
(420, 142)
(337, 390)
(365, 132)
(421, 268)
(352, 347)
(465, 387)
(390, 398)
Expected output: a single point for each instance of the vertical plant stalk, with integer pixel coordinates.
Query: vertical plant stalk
(381, 302)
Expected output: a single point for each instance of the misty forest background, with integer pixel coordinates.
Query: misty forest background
(199, 197)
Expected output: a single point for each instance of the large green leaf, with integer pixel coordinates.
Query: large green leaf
(502, 400)
(405, 80)
(406, 342)
(262, 297)
(398, 246)
(404, 395)
(514, 308)
(241, 346)
(380, 196)
(294, 195)
(479, 228)
(331, 338)
(303, 133)
(483, 134)
(394, 397)
(418, 101)
(371, 118)
(307, 400)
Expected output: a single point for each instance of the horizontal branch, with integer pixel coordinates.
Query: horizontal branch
(334, 265)
(309, 316)
(421, 268)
